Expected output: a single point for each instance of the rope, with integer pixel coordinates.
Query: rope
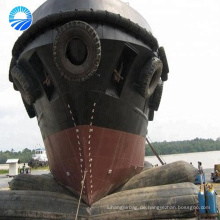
(83, 181)
(162, 161)
(160, 155)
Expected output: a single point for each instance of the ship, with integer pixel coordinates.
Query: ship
(92, 73)
(40, 155)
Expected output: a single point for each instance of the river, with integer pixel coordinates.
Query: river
(208, 158)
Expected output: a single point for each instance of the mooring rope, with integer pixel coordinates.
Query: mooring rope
(83, 181)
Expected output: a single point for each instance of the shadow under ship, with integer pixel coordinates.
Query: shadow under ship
(92, 73)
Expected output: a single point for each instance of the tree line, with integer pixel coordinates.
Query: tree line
(179, 147)
(24, 155)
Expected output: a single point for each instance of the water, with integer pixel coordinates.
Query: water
(208, 159)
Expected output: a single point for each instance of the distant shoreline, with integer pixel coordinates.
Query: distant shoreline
(208, 158)
(188, 146)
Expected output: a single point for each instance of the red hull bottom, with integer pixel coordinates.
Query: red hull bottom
(109, 157)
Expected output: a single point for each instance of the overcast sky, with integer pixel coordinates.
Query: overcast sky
(189, 30)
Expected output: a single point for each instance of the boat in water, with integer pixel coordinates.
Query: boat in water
(92, 73)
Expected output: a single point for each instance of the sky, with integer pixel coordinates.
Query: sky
(189, 30)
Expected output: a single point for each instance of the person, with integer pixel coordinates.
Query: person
(23, 168)
(216, 175)
(200, 169)
(213, 177)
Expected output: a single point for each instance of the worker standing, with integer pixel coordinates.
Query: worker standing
(200, 169)
(23, 168)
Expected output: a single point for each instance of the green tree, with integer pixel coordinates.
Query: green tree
(188, 146)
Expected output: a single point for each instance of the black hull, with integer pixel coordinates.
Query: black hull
(109, 113)
(126, 111)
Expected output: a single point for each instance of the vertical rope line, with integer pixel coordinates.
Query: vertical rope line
(83, 181)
